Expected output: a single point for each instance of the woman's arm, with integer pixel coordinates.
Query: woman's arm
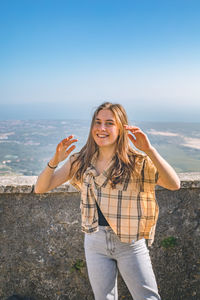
(49, 178)
(167, 175)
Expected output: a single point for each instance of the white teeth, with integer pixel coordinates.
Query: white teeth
(102, 135)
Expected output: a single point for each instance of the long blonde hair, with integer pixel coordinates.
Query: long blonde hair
(124, 160)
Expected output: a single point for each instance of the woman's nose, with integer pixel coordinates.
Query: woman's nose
(102, 126)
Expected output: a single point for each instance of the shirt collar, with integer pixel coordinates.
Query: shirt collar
(99, 179)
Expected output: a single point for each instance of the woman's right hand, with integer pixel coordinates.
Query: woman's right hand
(63, 150)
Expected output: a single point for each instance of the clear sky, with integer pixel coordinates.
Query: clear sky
(62, 58)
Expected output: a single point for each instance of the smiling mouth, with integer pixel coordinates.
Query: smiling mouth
(102, 136)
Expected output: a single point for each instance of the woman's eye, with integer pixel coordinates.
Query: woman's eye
(109, 123)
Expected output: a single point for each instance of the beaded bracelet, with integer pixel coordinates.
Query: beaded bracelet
(51, 166)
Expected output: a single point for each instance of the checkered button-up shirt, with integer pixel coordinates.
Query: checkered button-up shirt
(130, 208)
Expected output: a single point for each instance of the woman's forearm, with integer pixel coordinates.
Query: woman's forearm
(49, 179)
(167, 175)
(44, 179)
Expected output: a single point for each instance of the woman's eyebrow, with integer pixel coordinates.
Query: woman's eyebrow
(110, 120)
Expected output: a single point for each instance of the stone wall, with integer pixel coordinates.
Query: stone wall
(41, 244)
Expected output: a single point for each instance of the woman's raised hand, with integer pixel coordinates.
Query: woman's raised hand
(63, 150)
(138, 138)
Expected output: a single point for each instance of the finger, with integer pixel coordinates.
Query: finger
(136, 132)
(133, 140)
(69, 137)
(135, 135)
(131, 128)
(63, 142)
(70, 150)
(131, 137)
(69, 142)
(63, 145)
(59, 146)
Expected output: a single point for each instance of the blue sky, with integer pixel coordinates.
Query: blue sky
(60, 59)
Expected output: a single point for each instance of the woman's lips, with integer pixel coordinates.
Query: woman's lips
(102, 135)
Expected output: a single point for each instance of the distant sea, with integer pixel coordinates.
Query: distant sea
(26, 146)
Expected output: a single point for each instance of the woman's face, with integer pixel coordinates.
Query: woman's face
(105, 130)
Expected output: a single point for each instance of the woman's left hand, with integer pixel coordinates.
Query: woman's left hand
(167, 176)
(140, 139)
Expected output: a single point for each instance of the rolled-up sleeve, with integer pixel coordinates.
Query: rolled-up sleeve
(149, 175)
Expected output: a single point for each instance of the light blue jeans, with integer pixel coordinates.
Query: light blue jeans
(106, 254)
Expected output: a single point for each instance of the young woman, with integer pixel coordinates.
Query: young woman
(118, 206)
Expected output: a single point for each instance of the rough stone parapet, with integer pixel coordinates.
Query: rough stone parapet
(25, 184)
(42, 247)
(190, 180)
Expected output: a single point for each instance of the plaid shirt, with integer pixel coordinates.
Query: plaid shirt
(130, 208)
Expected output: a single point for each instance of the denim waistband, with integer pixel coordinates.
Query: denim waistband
(105, 228)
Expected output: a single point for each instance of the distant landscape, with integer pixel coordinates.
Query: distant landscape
(26, 146)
